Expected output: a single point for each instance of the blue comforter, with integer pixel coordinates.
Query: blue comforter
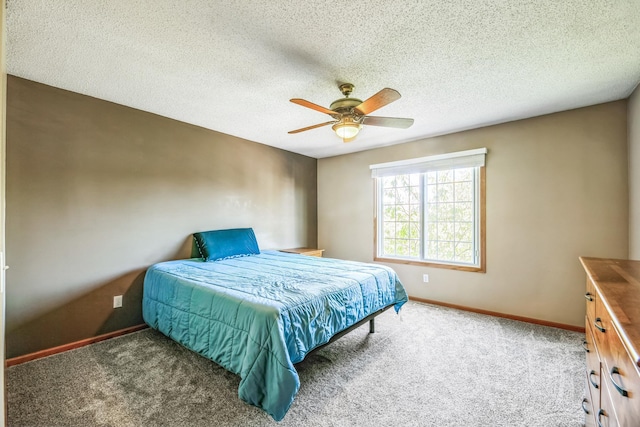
(258, 315)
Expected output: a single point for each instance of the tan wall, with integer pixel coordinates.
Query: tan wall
(556, 189)
(634, 175)
(96, 192)
(3, 109)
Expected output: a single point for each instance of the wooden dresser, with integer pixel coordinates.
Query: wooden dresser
(612, 343)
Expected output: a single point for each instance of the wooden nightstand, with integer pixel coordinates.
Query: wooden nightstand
(304, 251)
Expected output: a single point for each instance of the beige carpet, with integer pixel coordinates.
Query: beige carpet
(429, 366)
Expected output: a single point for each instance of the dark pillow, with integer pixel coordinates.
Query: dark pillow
(221, 244)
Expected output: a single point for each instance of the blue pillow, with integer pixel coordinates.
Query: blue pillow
(222, 244)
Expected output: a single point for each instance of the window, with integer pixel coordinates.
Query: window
(430, 211)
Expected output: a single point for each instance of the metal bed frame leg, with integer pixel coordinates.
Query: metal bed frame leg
(372, 328)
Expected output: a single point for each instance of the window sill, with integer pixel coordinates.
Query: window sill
(480, 269)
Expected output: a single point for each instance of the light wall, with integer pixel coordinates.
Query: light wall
(97, 192)
(634, 175)
(557, 189)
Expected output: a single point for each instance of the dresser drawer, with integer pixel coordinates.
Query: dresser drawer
(593, 366)
(622, 380)
(589, 344)
(602, 327)
(606, 416)
(589, 407)
(591, 296)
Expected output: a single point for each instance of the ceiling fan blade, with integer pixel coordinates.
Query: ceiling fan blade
(313, 127)
(379, 100)
(313, 106)
(390, 122)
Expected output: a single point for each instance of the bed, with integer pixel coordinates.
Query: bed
(258, 313)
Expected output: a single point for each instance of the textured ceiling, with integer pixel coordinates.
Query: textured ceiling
(233, 65)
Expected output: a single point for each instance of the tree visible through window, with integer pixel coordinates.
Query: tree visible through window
(450, 199)
(402, 218)
(433, 216)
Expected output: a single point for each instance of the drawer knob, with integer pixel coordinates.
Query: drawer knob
(588, 296)
(615, 371)
(584, 408)
(584, 345)
(593, 383)
(598, 324)
(600, 413)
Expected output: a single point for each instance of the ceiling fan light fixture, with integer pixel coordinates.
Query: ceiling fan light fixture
(346, 129)
(350, 114)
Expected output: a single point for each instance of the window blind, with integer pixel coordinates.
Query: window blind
(456, 160)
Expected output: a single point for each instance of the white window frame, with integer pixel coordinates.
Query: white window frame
(462, 159)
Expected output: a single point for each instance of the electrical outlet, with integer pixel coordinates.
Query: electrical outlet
(117, 301)
(425, 278)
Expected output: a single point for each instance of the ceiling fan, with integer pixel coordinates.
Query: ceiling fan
(349, 114)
